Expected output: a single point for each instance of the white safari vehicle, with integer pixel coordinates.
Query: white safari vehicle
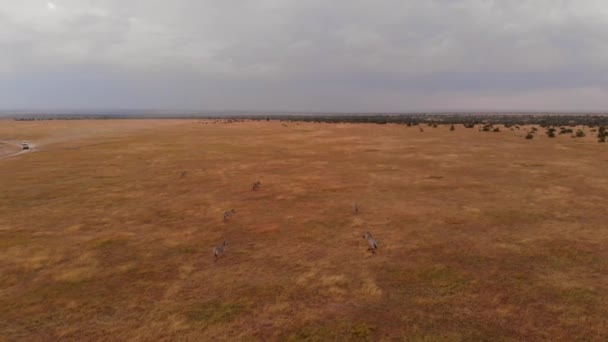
(25, 145)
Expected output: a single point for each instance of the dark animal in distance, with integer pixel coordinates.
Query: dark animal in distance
(373, 244)
(228, 214)
(219, 250)
(256, 186)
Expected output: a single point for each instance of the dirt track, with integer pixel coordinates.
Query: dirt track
(21, 151)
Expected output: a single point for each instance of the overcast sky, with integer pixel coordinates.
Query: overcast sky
(305, 55)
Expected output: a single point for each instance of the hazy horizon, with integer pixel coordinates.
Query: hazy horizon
(304, 57)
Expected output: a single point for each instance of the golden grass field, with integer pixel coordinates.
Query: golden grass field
(482, 235)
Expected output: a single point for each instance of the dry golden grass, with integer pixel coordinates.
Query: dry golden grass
(482, 236)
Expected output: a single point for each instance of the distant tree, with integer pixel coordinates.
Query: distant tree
(580, 133)
(602, 134)
(551, 132)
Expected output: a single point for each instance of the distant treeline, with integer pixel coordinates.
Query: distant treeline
(469, 120)
(450, 119)
(71, 117)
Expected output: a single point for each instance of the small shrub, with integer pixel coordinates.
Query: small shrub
(580, 133)
(529, 136)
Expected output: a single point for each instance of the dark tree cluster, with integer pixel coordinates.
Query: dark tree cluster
(434, 120)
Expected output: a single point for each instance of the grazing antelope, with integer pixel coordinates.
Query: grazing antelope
(373, 244)
(219, 250)
(228, 214)
(355, 208)
(256, 186)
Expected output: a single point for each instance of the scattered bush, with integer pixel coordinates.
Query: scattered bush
(529, 136)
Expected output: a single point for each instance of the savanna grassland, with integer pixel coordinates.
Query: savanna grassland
(482, 235)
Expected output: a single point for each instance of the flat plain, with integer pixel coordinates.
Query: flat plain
(482, 235)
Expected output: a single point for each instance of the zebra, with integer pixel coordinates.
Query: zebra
(219, 250)
(373, 244)
(256, 186)
(228, 214)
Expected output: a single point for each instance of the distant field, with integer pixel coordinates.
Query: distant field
(482, 235)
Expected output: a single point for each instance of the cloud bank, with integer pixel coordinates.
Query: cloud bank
(288, 55)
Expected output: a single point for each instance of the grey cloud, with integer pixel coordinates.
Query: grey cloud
(305, 55)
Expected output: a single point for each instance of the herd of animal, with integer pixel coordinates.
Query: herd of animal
(218, 251)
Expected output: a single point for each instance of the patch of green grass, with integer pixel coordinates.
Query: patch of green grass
(570, 256)
(59, 290)
(436, 280)
(109, 243)
(454, 336)
(443, 280)
(186, 250)
(12, 239)
(515, 216)
(580, 295)
(216, 311)
(338, 331)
